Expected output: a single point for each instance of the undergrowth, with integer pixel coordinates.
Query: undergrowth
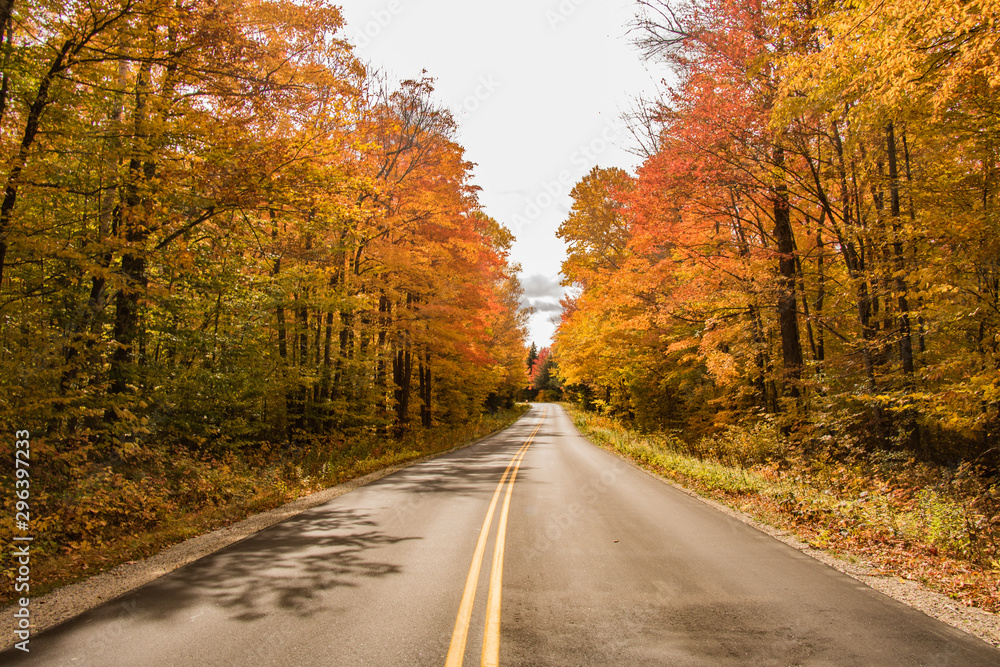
(934, 524)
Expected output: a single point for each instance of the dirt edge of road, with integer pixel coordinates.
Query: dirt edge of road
(64, 603)
(974, 621)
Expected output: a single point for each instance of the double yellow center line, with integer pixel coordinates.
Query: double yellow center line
(491, 635)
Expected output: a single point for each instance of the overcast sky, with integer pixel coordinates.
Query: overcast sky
(538, 88)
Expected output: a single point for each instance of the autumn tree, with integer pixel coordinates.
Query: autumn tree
(220, 227)
(812, 231)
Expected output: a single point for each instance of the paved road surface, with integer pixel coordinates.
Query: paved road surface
(599, 564)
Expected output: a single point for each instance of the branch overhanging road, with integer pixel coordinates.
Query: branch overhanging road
(532, 547)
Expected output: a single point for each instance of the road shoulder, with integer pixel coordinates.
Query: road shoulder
(69, 601)
(972, 620)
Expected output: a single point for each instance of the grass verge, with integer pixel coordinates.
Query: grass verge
(936, 525)
(153, 498)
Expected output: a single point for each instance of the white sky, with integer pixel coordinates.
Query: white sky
(538, 88)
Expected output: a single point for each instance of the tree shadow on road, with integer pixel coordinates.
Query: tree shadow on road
(465, 475)
(285, 568)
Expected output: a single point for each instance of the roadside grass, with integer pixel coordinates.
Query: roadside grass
(153, 497)
(936, 525)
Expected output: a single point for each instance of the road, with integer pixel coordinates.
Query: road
(598, 564)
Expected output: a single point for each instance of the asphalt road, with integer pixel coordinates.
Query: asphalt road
(598, 564)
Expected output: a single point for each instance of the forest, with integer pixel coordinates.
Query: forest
(812, 237)
(232, 256)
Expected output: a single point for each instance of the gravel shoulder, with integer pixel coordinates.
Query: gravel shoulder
(974, 621)
(64, 603)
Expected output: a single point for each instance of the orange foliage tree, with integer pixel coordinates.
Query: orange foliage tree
(219, 228)
(813, 235)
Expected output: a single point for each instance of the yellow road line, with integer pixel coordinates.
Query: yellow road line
(456, 651)
(491, 634)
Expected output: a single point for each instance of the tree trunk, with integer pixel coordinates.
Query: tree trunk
(6, 10)
(791, 346)
(384, 320)
(905, 341)
(402, 372)
(302, 358)
(921, 328)
(820, 297)
(424, 373)
(326, 377)
(136, 228)
(7, 32)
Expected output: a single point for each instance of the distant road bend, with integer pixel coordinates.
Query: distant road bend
(532, 547)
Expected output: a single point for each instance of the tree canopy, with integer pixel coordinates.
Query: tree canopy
(814, 234)
(219, 226)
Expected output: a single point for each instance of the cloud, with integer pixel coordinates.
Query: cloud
(541, 286)
(542, 293)
(542, 306)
